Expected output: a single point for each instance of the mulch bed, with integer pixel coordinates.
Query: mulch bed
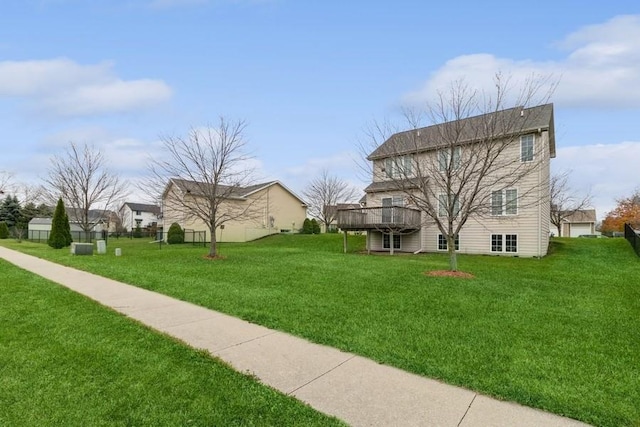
(214, 258)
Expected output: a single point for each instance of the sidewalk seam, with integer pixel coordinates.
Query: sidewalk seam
(467, 411)
(243, 342)
(321, 375)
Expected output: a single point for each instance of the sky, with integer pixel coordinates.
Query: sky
(308, 78)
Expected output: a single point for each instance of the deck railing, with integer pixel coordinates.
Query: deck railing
(391, 217)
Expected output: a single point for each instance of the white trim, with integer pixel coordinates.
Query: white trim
(438, 243)
(533, 147)
(504, 243)
(399, 248)
(504, 203)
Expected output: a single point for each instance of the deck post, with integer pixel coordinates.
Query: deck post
(391, 243)
(344, 242)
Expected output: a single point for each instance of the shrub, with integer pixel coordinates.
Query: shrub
(315, 227)
(4, 230)
(175, 234)
(137, 232)
(60, 235)
(307, 227)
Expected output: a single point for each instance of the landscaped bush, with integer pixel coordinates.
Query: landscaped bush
(137, 232)
(175, 234)
(315, 227)
(60, 235)
(307, 227)
(4, 230)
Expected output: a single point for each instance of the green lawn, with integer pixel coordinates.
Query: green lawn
(561, 333)
(66, 361)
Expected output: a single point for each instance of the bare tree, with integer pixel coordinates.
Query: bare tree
(564, 202)
(462, 165)
(324, 193)
(209, 168)
(6, 179)
(88, 188)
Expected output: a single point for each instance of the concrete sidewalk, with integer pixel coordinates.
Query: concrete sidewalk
(357, 390)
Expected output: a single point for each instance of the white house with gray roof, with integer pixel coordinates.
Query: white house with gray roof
(141, 215)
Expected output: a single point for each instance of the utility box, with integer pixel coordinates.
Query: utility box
(82, 248)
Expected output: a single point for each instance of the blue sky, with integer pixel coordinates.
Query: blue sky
(308, 77)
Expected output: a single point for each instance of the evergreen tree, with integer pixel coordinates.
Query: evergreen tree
(67, 229)
(29, 211)
(60, 235)
(4, 230)
(44, 211)
(10, 211)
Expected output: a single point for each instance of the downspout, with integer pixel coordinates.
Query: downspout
(539, 213)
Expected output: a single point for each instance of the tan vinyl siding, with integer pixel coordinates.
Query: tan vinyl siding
(408, 242)
(530, 224)
(274, 201)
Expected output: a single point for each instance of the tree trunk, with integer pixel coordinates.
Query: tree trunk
(453, 256)
(213, 246)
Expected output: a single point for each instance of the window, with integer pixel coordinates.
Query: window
(511, 205)
(504, 202)
(444, 158)
(389, 214)
(526, 148)
(138, 213)
(504, 243)
(443, 205)
(388, 167)
(511, 243)
(442, 243)
(386, 241)
(398, 167)
(496, 243)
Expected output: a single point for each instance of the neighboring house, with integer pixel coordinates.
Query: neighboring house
(579, 223)
(134, 215)
(506, 227)
(271, 208)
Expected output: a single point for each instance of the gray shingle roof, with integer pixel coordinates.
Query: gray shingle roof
(585, 215)
(513, 121)
(143, 207)
(198, 188)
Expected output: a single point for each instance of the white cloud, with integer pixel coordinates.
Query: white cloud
(601, 68)
(342, 161)
(63, 87)
(608, 171)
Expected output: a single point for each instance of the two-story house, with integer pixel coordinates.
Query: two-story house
(483, 179)
(141, 215)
